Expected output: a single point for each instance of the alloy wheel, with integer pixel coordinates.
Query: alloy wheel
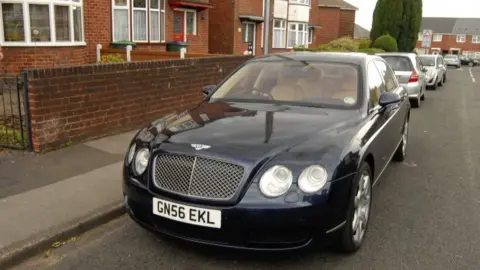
(361, 208)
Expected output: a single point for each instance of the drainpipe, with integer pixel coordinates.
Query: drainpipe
(266, 36)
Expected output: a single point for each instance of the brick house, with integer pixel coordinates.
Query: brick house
(46, 33)
(233, 24)
(451, 36)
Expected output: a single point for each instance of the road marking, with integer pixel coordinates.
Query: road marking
(471, 75)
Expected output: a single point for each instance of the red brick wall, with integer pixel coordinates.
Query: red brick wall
(347, 23)
(18, 58)
(98, 26)
(221, 27)
(85, 102)
(450, 41)
(329, 18)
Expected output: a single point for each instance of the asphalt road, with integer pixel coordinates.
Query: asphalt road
(426, 210)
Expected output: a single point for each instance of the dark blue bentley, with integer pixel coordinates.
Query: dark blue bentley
(281, 154)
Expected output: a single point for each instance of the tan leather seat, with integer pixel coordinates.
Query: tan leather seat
(291, 92)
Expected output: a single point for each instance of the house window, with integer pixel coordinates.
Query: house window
(248, 32)
(310, 35)
(475, 39)
(305, 2)
(279, 34)
(297, 35)
(437, 37)
(42, 23)
(461, 38)
(138, 20)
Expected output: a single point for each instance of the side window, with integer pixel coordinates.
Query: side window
(388, 75)
(375, 84)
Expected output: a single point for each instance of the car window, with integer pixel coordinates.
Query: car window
(427, 61)
(375, 84)
(399, 63)
(387, 74)
(294, 82)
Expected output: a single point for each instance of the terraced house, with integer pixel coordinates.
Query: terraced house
(309, 23)
(452, 36)
(62, 32)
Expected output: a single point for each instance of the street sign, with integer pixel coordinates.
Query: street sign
(427, 38)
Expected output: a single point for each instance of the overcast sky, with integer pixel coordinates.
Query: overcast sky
(431, 8)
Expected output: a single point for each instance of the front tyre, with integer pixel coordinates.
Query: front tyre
(401, 151)
(354, 231)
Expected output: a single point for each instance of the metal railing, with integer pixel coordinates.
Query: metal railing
(13, 120)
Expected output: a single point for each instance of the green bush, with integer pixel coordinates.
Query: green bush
(112, 58)
(371, 50)
(364, 43)
(347, 44)
(386, 43)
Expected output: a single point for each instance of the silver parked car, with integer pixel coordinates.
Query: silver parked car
(410, 73)
(453, 60)
(436, 70)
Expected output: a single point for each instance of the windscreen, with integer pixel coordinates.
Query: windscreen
(427, 61)
(399, 63)
(293, 82)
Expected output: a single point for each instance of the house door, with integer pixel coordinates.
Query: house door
(179, 26)
(249, 34)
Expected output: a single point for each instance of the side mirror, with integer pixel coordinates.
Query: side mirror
(208, 89)
(387, 98)
(424, 69)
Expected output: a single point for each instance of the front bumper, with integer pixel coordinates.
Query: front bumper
(432, 81)
(249, 225)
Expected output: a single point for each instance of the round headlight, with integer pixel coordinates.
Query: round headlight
(141, 160)
(312, 179)
(131, 154)
(276, 181)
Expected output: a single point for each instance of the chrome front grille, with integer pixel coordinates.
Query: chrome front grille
(197, 176)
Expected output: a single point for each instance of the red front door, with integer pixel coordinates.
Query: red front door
(178, 26)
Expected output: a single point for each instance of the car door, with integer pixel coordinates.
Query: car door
(378, 118)
(393, 119)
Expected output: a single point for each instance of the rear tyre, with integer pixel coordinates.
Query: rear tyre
(354, 231)
(415, 102)
(401, 151)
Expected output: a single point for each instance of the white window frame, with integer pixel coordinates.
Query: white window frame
(51, 12)
(437, 37)
(147, 17)
(301, 2)
(305, 34)
(461, 38)
(476, 39)
(284, 29)
(129, 7)
(150, 9)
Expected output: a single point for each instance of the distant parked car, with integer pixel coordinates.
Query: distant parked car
(410, 73)
(465, 60)
(436, 74)
(453, 60)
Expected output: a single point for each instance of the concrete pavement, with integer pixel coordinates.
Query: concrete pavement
(425, 211)
(36, 213)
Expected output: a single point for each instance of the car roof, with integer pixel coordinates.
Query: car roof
(339, 57)
(396, 54)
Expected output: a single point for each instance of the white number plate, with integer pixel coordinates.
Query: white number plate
(187, 214)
